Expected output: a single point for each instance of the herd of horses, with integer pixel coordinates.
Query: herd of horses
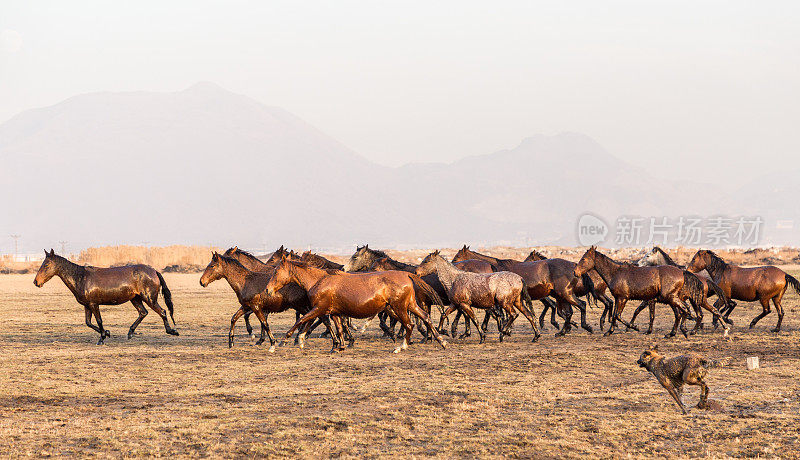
(373, 285)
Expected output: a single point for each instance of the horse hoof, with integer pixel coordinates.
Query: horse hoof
(444, 344)
(588, 329)
(607, 333)
(271, 349)
(397, 350)
(252, 336)
(775, 330)
(536, 338)
(173, 332)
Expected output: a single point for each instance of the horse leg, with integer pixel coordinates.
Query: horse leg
(247, 324)
(607, 305)
(137, 303)
(698, 317)
(338, 342)
(153, 304)
(619, 306)
(531, 317)
(716, 315)
(264, 327)
(89, 320)
(315, 312)
(234, 318)
(636, 312)
(779, 309)
(765, 312)
(582, 307)
(103, 333)
(544, 313)
(652, 308)
(566, 309)
(387, 331)
(553, 311)
(467, 309)
(422, 315)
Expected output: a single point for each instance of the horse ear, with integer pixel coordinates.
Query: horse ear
(52, 253)
(45, 253)
(236, 248)
(366, 246)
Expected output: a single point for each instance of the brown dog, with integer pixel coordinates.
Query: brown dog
(673, 373)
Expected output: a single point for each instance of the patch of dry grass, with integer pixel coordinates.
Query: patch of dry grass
(582, 395)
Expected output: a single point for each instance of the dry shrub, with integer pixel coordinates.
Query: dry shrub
(157, 257)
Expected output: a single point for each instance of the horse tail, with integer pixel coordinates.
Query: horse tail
(591, 294)
(693, 288)
(419, 283)
(167, 297)
(718, 291)
(792, 281)
(525, 296)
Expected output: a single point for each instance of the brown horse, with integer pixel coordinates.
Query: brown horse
(254, 264)
(543, 278)
(250, 288)
(316, 260)
(366, 259)
(658, 256)
(748, 284)
(580, 290)
(355, 295)
(275, 257)
(665, 283)
(487, 291)
(94, 286)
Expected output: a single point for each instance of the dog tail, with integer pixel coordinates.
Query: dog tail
(712, 363)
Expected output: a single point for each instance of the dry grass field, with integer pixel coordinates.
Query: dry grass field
(583, 395)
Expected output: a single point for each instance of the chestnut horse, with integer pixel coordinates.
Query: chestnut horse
(250, 288)
(355, 295)
(658, 256)
(366, 259)
(487, 291)
(94, 286)
(543, 278)
(665, 283)
(749, 284)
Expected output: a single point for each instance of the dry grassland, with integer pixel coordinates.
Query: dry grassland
(582, 395)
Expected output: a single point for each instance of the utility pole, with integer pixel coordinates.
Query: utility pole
(16, 249)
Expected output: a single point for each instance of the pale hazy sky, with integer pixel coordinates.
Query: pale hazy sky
(686, 86)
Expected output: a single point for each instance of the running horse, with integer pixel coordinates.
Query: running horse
(367, 259)
(665, 283)
(250, 288)
(749, 284)
(488, 291)
(93, 286)
(543, 278)
(316, 260)
(355, 295)
(658, 256)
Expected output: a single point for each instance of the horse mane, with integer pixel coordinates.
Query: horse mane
(666, 256)
(717, 263)
(378, 252)
(244, 253)
(68, 266)
(538, 254)
(233, 261)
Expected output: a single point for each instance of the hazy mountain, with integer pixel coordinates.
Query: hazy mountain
(206, 165)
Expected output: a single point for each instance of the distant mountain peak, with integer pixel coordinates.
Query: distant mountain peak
(205, 87)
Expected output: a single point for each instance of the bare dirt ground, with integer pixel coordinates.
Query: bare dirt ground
(582, 395)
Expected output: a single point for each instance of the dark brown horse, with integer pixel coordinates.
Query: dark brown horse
(276, 256)
(316, 260)
(94, 286)
(544, 278)
(658, 256)
(254, 264)
(251, 291)
(748, 284)
(579, 289)
(665, 283)
(355, 295)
